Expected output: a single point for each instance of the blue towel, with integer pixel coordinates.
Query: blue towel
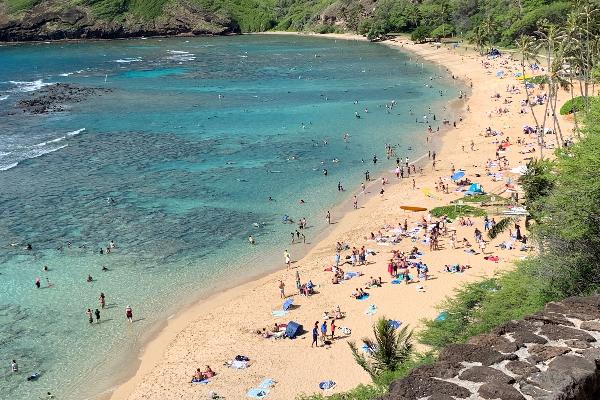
(442, 316)
(266, 383)
(363, 297)
(203, 381)
(394, 324)
(396, 282)
(257, 393)
(327, 385)
(279, 313)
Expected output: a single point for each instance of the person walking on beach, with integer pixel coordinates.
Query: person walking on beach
(288, 260)
(355, 202)
(102, 300)
(298, 283)
(281, 289)
(129, 314)
(89, 315)
(315, 335)
(323, 332)
(328, 218)
(14, 367)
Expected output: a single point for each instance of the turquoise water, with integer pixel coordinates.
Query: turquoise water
(195, 136)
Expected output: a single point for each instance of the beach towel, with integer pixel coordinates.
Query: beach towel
(287, 304)
(394, 324)
(365, 348)
(279, 313)
(345, 330)
(363, 297)
(257, 393)
(236, 364)
(371, 310)
(201, 381)
(326, 385)
(442, 316)
(267, 383)
(350, 275)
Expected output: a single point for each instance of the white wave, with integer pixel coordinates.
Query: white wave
(76, 132)
(66, 74)
(60, 139)
(33, 153)
(8, 166)
(128, 60)
(178, 52)
(4, 97)
(25, 86)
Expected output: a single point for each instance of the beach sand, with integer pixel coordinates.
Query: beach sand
(217, 329)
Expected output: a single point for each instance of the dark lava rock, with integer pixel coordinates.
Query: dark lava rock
(496, 342)
(521, 331)
(499, 390)
(590, 326)
(55, 98)
(521, 368)
(542, 353)
(443, 370)
(416, 386)
(557, 332)
(577, 344)
(473, 353)
(549, 318)
(485, 374)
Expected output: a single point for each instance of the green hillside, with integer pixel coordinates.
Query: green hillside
(501, 21)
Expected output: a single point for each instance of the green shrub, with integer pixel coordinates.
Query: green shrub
(420, 34)
(454, 211)
(575, 104)
(442, 31)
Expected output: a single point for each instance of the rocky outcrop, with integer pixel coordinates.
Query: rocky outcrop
(53, 20)
(57, 97)
(550, 355)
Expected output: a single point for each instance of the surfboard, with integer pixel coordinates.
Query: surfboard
(413, 208)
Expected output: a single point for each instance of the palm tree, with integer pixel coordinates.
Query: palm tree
(390, 349)
(528, 49)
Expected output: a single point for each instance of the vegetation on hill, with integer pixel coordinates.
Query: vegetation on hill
(488, 22)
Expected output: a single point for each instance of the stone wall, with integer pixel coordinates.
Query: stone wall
(550, 355)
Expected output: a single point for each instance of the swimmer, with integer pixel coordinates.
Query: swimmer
(251, 240)
(301, 201)
(89, 279)
(104, 269)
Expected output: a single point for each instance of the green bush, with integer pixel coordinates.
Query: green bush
(420, 34)
(454, 211)
(575, 104)
(442, 31)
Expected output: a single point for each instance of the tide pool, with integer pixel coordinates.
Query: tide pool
(176, 164)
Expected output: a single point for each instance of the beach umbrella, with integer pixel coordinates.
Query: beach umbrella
(287, 304)
(457, 175)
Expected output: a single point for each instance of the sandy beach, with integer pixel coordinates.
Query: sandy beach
(217, 329)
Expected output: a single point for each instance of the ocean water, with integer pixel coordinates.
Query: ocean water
(194, 137)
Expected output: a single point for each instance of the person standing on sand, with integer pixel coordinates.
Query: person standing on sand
(332, 326)
(328, 218)
(281, 289)
(355, 203)
(315, 334)
(298, 283)
(97, 314)
(288, 260)
(129, 314)
(102, 300)
(89, 315)
(323, 332)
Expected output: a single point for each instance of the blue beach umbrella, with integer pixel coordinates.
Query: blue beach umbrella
(457, 175)
(287, 304)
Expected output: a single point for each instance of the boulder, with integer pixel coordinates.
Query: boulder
(485, 374)
(473, 353)
(499, 390)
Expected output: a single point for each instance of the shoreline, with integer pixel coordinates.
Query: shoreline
(185, 322)
(165, 331)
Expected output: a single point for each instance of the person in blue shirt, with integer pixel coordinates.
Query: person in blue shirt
(323, 331)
